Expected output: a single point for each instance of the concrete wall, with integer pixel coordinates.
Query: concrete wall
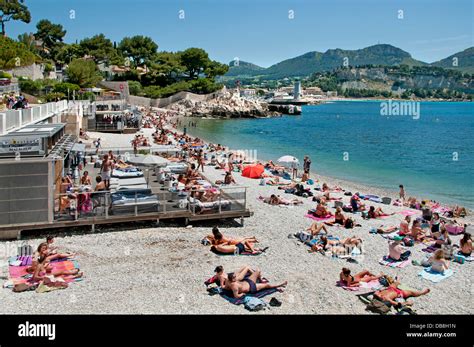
(33, 72)
(148, 102)
(24, 192)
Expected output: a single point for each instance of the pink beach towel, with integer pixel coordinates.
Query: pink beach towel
(364, 286)
(318, 218)
(409, 213)
(392, 263)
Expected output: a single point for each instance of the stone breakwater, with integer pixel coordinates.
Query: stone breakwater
(224, 107)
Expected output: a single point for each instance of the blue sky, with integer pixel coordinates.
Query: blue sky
(260, 31)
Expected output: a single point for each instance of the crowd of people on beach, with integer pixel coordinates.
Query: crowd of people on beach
(427, 222)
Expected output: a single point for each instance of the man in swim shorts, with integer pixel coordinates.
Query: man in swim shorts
(106, 171)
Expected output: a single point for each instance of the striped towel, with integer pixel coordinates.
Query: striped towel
(386, 261)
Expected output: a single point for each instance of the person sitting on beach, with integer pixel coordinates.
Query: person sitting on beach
(416, 231)
(321, 210)
(356, 204)
(354, 281)
(435, 223)
(405, 226)
(442, 237)
(459, 212)
(396, 251)
(466, 245)
(249, 284)
(316, 228)
(86, 179)
(438, 261)
(392, 292)
(46, 274)
(100, 185)
(339, 217)
(229, 179)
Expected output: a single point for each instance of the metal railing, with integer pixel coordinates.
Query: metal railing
(83, 205)
(12, 120)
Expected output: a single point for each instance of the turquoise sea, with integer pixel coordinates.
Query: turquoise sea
(433, 156)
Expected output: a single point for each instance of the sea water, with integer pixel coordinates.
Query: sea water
(431, 152)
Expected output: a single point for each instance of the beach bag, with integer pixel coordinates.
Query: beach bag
(205, 241)
(310, 182)
(347, 208)
(377, 306)
(348, 193)
(25, 250)
(252, 303)
(338, 204)
(409, 242)
(386, 200)
(304, 236)
(454, 229)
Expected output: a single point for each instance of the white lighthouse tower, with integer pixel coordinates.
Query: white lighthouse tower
(297, 90)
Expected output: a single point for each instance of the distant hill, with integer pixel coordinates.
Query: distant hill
(311, 62)
(243, 68)
(465, 61)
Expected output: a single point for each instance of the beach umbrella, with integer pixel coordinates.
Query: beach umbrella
(288, 159)
(253, 171)
(148, 160)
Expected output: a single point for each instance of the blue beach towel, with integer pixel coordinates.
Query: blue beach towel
(238, 301)
(434, 276)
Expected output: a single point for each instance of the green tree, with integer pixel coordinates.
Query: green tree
(51, 36)
(100, 48)
(139, 49)
(214, 69)
(195, 61)
(64, 87)
(13, 10)
(83, 72)
(67, 53)
(28, 39)
(134, 87)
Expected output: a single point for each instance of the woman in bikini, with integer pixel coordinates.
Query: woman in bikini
(339, 218)
(416, 231)
(466, 245)
(316, 228)
(405, 226)
(321, 210)
(230, 246)
(44, 273)
(388, 295)
(354, 281)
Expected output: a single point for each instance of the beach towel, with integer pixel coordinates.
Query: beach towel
(386, 261)
(313, 217)
(363, 286)
(24, 260)
(227, 295)
(18, 274)
(390, 236)
(238, 301)
(434, 276)
(430, 249)
(408, 213)
(242, 253)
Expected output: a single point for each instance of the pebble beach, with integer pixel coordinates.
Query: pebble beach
(145, 269)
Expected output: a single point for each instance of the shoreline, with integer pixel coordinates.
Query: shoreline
(346, 184)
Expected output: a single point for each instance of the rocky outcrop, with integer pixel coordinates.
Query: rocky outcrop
(224, 105)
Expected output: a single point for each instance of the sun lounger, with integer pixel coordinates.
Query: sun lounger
(126, 174)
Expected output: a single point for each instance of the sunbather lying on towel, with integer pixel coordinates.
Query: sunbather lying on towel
(277, 200)
(218, 238)
(377, 212)
(386, 230)
(337, 247)
(222, 276)
(388, 295)
(230, 247)
(354, 281)
(248, 285)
